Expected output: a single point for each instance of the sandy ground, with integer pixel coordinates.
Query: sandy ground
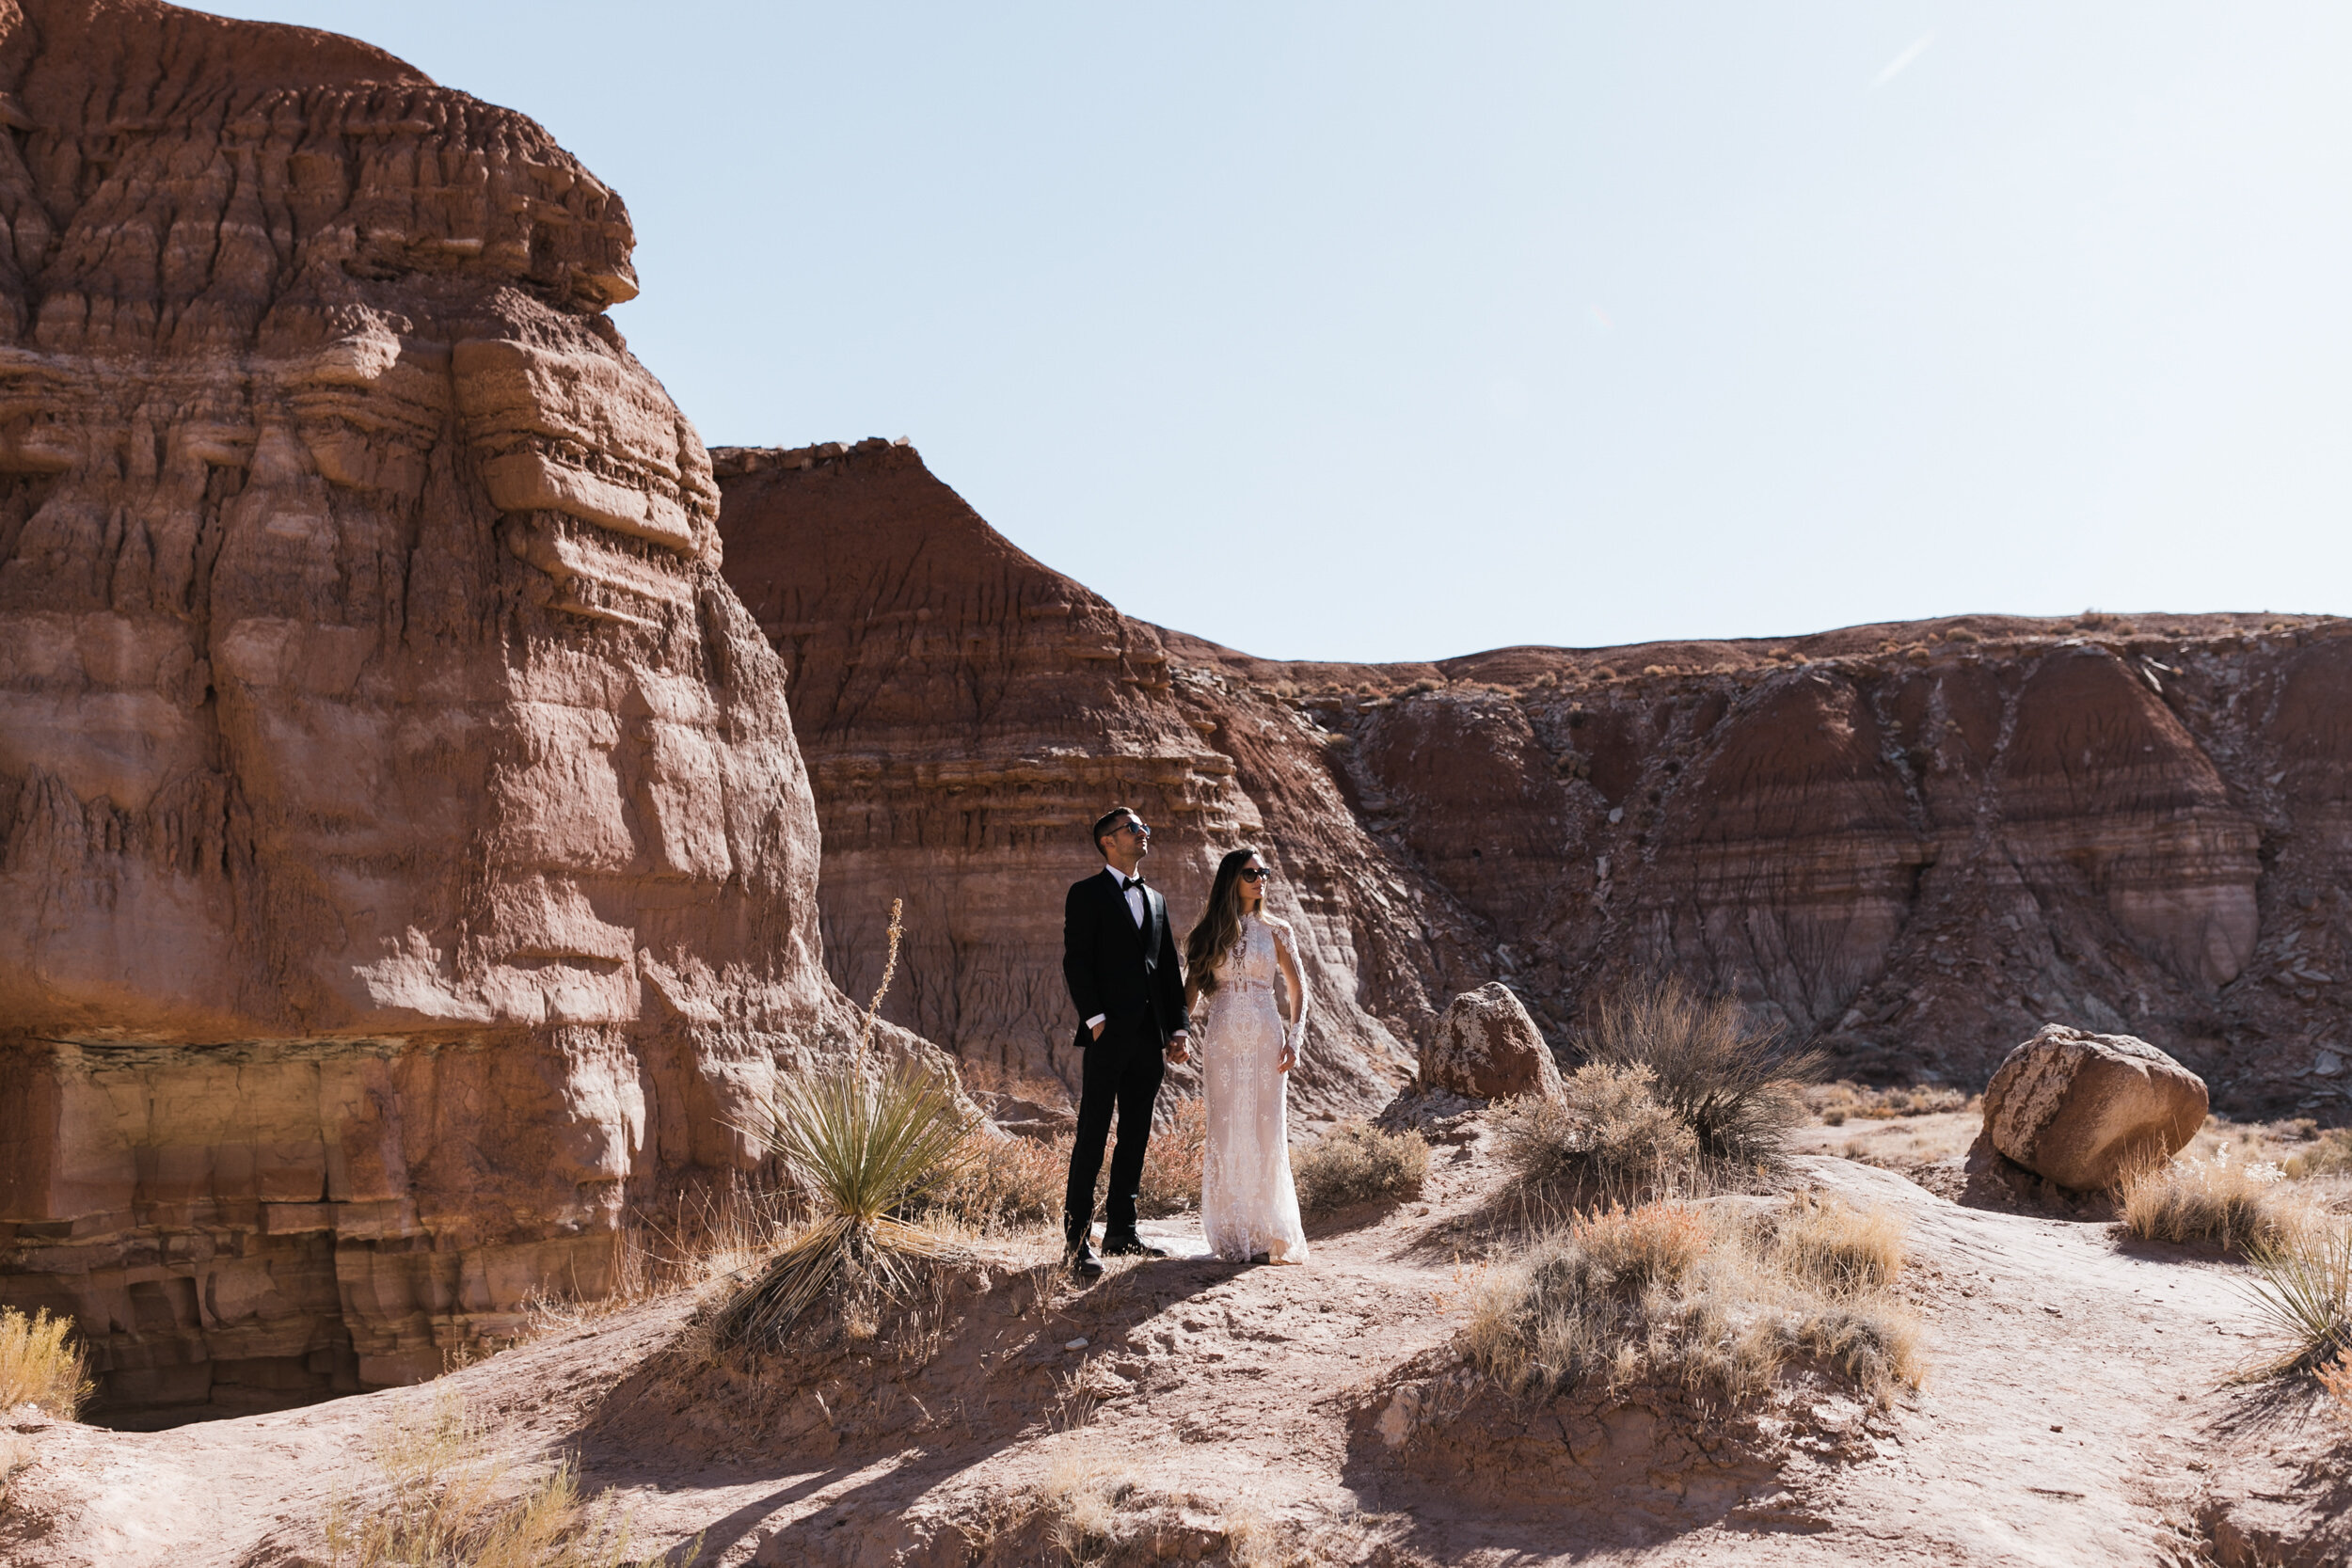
(2079, 1410)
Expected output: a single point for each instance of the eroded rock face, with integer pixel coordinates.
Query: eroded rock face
(407, 856)
(2081, 1109)
(968, 713)
(1910, 844)
(1487, 1046)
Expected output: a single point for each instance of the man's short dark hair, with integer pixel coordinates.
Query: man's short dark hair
(1108, 823)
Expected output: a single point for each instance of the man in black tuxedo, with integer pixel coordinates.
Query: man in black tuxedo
(1119, 955)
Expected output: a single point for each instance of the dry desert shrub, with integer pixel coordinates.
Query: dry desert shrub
(1172, 1162)
(2236, 1206)
(1736, 1084)
(41, 1364)
(2336, 1378)
(2331, 1153)
(1670, 1290)
(2302, 1286)
(1003, 1182)
(1604, 1138)
(444, 1499)
(1844, 1101)
(1357, 1163)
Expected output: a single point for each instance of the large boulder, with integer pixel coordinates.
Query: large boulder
(1487, 1046)
(2079, 1108)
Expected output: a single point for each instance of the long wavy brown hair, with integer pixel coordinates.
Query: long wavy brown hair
(1219, 930)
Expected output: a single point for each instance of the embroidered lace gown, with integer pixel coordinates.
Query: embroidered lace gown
(1248, 1202)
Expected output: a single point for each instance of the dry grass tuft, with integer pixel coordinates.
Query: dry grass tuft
(444, 1499)
(40, 1364)
(2237, 1206)
(1357, 1163)
(1840, 1249)
(2329, 1154)
(1667, 1291)
(1605, 1138)
(1082, 1494)
(704, 1237)
(1735, 1083)
(2303, 1286)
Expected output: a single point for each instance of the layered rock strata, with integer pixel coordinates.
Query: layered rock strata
(404, 859)
(1913, 844)
(966, 713)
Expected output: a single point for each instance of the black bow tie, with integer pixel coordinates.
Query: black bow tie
(1126, 882)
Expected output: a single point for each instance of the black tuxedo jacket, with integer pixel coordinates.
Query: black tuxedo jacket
(1129, 975)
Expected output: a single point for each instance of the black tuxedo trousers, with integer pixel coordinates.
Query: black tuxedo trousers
(1122, 1080)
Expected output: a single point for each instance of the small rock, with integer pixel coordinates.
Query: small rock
(1488, 1047)
(1079, 1343)
(2079, 1108)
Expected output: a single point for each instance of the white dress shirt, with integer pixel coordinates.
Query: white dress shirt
(1136, 907)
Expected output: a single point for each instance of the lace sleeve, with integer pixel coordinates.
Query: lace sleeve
(1287, 954)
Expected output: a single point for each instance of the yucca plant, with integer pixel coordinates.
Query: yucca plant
(865, 1146)
(2303, 1286)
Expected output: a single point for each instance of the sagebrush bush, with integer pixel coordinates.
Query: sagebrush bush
(1357, 1163)
(2190, 1200)
(41, 1364)
(1668, 1290)
(1604, 1138)
(1736, 1084)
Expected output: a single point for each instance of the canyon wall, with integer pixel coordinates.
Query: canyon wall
(404, 858)
(1912, 844)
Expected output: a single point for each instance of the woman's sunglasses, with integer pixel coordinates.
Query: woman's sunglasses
(1255, 873)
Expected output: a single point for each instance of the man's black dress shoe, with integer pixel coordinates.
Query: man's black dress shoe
(1083, 1262)
(1131, 1246)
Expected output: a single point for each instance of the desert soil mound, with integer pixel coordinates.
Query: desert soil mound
(2078, 1410)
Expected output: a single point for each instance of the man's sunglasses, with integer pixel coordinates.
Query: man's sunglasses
(1255, 873)
(1136, 828)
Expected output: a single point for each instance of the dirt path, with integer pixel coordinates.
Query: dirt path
(2076, 1409)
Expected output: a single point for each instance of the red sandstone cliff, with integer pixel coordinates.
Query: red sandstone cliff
(1913, 844)
(404, 859)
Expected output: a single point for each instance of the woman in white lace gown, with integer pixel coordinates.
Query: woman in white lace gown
(1249, 1004)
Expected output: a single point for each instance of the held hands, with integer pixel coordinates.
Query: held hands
(1179, 1049)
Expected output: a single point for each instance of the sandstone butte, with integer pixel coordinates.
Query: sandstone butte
(407, 862)
(1912, 844)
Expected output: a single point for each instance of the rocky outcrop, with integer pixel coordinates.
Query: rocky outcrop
(1912, 844)
(406, 859)
(1488, 1047)
(2082, 1109)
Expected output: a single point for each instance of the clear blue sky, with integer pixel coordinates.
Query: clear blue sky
(1373, 331)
